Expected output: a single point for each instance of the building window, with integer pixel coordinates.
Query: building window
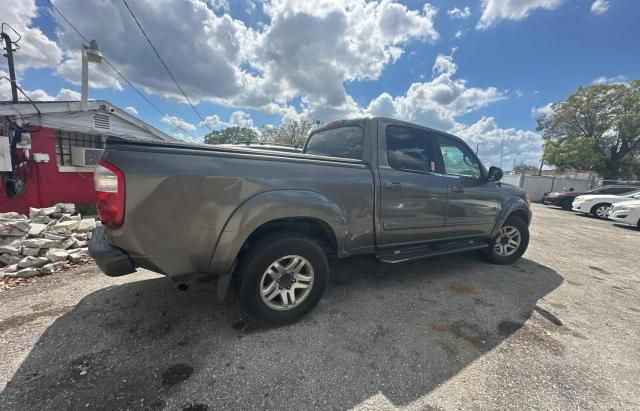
(67, 139)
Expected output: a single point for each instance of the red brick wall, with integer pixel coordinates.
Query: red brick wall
(45, 185)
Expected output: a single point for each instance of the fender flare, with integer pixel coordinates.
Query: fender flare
(510, 206)
(274, 205)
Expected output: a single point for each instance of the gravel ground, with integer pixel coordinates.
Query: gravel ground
(560, 329)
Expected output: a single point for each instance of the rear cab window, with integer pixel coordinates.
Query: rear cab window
(345, 142)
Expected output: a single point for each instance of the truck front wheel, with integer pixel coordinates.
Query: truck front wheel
(282, 278)
(509, 243)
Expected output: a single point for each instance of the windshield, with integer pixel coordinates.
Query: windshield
(631, 194)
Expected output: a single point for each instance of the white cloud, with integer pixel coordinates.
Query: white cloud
(304, 49)
(459, 34)
(600, 6)
(456, 13)
(495, 10)
(542, 110)
(438, 102)
(237, 119)
(240, 119)
(177, 123)
(619, 79)
(64, 94)
(516, 145)
(250, 7)
(36, 49)
(220, 5)
(131, 110)
(211, 122)
(100, 75)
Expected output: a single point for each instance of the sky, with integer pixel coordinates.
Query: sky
(480, 69)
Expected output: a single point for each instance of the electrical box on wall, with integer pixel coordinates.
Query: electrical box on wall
(5, 154)
(25, 141)
(41, 157)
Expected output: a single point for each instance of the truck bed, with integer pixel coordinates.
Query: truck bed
(181, 197)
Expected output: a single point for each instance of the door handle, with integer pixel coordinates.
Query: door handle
(457, 189)
(393, 186)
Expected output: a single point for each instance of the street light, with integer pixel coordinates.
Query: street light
(90, 54)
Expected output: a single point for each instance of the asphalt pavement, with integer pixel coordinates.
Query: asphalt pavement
(560, 329)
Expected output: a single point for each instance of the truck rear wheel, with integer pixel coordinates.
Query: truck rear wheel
(282, 278)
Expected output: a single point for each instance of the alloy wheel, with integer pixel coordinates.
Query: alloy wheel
(601, 211)
(287, 282)
(508, 241)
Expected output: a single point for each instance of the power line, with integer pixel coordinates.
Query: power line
(165, 65)
(23, 93)
(115, 69)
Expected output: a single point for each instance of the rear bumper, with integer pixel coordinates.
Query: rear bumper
(112, 261)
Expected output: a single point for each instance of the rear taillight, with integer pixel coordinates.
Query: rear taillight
(109, 183)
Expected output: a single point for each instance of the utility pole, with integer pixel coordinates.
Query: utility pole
(476, 149)
(8, 46)
(544, 148)
(501, 147)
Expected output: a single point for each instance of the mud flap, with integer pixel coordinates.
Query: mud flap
(223, 285)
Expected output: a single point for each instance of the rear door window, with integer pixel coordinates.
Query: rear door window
(410, 149)
(344, 142)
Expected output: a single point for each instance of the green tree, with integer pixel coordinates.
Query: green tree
(596, 128)
(231, 135)
(268, 134)
(579, 153)
(292, 132)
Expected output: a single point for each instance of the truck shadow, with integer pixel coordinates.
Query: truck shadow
(395, 331)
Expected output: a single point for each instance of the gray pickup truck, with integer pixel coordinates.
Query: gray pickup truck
(265, 221)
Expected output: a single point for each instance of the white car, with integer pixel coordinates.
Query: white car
(627, 212)
(598, 204)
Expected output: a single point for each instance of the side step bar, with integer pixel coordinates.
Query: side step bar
(399, 255)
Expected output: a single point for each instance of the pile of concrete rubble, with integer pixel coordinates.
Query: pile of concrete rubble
(43, 242)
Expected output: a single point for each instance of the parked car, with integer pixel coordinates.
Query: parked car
(565, 199)
(627, 212)
(598, 204)
(265, 221)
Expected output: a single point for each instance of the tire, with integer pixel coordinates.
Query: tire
(494, 256)
(566, 204)
(283, 249)
(600, 210)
